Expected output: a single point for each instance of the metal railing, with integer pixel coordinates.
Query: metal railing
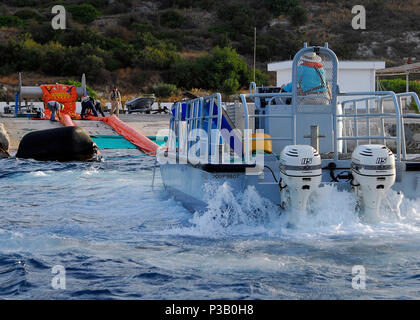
(368, 115)
(196, 116)
(378, 97)
(206, 114)
(213, 142)
(399, 116)
(191, 115)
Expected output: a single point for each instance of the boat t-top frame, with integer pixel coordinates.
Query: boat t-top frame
(339, 120)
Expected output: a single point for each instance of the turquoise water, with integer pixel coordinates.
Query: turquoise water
(112, 142)
(119, 238)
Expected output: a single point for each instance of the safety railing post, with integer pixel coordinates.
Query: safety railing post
(368, 120)
(355, 129)
(402, 128)
(178, 107)
(381, 106)
(246, 129)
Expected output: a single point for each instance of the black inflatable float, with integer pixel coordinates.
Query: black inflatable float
(61, 144)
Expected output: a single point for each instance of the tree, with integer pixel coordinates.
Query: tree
(221, 64)
(84, 13)
(11, 21)
(298, 16)
(230, 86)
(279, 7)
(172, 19)
(164, 90)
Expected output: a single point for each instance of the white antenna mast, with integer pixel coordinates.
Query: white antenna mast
(255, 49)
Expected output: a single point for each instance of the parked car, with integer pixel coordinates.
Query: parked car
(140, 104)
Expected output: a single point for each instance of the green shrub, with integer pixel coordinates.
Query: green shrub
(141, 27)
(120, 56)
(238, 19)
(344, 50)
(23, 56)
(222, 70)
(24, 3)
(43, 33)
(399, 85)
(75, 37)
(222, 40)
(230, 86)
(298, 16)
(218, 29)
(54, 56)
(145, 39)
(92, 93)
(96, 3)
(141, 80)
(278, 7)
(203, 4)
(261, 78)
(219, 65)
(91, 65)
(277, 46)
(164, 90)
(28, 14)
(11, 21)
(172, 19)
(158, 57)
(84, 13)
(166, 4)
(117, 7)
(183, 73)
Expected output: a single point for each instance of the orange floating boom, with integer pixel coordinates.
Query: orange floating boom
(145, 144)
(65, 119)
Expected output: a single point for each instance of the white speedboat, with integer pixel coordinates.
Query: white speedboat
(289, 144)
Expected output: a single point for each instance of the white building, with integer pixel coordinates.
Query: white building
(352, 75)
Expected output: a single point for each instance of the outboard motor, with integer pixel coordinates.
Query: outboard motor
(301, 173)
(373, 168)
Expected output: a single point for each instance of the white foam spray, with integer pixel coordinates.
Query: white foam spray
(331, 213)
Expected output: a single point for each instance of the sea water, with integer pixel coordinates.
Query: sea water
(117, 237)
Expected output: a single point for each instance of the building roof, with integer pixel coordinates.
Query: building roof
(342, 65)
(404, 69)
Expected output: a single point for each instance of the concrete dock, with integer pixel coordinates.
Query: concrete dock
(147, 124)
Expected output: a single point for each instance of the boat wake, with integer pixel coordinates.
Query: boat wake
(331, 213)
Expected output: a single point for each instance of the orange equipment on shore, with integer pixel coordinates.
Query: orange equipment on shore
(65, 94)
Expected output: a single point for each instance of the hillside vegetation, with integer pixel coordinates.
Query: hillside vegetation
(167, 45)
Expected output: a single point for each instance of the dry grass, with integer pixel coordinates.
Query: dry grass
(192, 54)
(9, 80)
(404, 5)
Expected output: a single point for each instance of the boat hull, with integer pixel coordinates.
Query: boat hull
(194, 186)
